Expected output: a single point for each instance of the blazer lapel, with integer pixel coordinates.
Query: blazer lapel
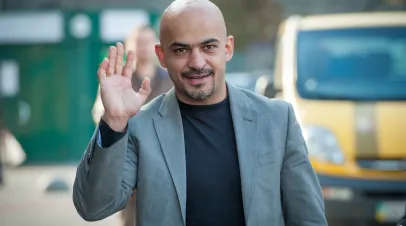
(245, 128)
(168, 126)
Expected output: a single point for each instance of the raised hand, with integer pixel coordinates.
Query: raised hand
(119, 99)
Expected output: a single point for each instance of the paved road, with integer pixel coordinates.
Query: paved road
(24, 202)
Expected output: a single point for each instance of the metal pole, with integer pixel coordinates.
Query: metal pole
(2, 137)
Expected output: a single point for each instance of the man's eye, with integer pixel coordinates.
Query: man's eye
(210, 47)
(180, 50)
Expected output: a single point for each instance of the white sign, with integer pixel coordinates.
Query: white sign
(9, 78)
(31, 27)
(116, 25)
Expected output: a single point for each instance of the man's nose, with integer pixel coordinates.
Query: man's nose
(197, 59)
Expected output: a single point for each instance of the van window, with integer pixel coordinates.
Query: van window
(355, 64)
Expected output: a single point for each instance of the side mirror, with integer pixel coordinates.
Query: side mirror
(265, 87)
(270, 90)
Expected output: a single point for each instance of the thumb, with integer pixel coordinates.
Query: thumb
(145, 89)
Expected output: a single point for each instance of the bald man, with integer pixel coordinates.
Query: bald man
(205, 153)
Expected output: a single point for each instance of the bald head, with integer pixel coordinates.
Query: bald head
(201, 13)
(194, 47)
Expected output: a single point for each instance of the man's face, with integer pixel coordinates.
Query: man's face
(195, 50)
(145, 45)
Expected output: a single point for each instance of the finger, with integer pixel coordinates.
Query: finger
(145, 89)
(112, 59)
(101, 72)
(129, 63)
(119, 60)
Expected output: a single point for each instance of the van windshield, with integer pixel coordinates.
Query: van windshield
(352, 64)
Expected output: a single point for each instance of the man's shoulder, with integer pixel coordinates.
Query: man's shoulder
(263, 103)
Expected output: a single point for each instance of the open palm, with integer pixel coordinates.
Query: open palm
(119, 99)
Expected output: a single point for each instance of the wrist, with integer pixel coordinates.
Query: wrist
(118, 124)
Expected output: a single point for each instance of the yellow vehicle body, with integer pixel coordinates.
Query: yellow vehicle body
(354, 125)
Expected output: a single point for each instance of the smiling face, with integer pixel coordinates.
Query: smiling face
(194, 48)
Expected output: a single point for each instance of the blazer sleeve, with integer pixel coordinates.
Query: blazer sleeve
(105, 178)
(302, 198)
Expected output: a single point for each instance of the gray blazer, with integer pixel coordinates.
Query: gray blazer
(279, 185)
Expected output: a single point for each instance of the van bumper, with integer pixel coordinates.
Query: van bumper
(374, 202)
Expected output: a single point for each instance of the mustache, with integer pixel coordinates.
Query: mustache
(194, 71)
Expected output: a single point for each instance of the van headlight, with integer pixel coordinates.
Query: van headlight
(323, 145)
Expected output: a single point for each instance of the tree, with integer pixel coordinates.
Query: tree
(251, 20)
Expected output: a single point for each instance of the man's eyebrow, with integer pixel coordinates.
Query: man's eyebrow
(179, 44)
(210, 40)
(184, 45)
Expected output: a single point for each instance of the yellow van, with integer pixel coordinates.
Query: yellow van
(345, 75)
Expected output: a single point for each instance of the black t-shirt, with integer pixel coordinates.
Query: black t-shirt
(214, 196)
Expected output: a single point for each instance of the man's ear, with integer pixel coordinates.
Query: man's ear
(229, 47)
(160, 54)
